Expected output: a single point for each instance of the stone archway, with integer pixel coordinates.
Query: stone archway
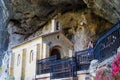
(56, 52)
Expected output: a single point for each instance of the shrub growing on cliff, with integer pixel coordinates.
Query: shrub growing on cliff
(116, 67)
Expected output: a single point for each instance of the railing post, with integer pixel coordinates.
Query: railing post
(83, 58)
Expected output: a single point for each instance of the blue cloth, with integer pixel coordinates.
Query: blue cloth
(90, 51)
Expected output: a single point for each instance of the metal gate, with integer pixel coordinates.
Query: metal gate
(63, 68)
(43, 66)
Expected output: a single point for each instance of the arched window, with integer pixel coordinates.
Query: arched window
(31, 56)
(57, 26)
(18, 59)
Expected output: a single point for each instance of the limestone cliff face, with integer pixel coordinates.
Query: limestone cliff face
(33, 14)
(82, 27)
(4, 39)
(107, 9)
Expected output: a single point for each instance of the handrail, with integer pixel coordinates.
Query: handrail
(63, 68)
(107, 45)
(84, 58)
(43, 65)
(108, 32)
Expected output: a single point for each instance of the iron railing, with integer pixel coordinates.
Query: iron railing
(108, 43)
(63, 68)
(84, 58)
(105, 47)
(43, 66)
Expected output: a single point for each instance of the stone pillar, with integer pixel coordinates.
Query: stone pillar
(38, 51)
(23, 63)
(3, 22)
(11, 64)
(53, 25)
(41, 50)
(45, 51)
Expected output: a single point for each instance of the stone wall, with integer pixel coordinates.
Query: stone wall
(59, 40)
(26, 68)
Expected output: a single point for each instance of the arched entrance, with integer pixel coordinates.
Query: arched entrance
(55, 52)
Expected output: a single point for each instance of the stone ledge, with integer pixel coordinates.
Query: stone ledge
(83, 72)
(43, 76)
(69, 78)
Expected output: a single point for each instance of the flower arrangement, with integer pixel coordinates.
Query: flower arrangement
(116, 67)
(103, 74)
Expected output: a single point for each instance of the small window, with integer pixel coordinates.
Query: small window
(57, 25)
(31, 56)
(18, 59)
(58, 37)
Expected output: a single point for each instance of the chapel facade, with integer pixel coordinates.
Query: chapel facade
(51, 56)
(23, 62)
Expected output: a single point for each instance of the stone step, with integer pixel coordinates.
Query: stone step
(70, 78)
